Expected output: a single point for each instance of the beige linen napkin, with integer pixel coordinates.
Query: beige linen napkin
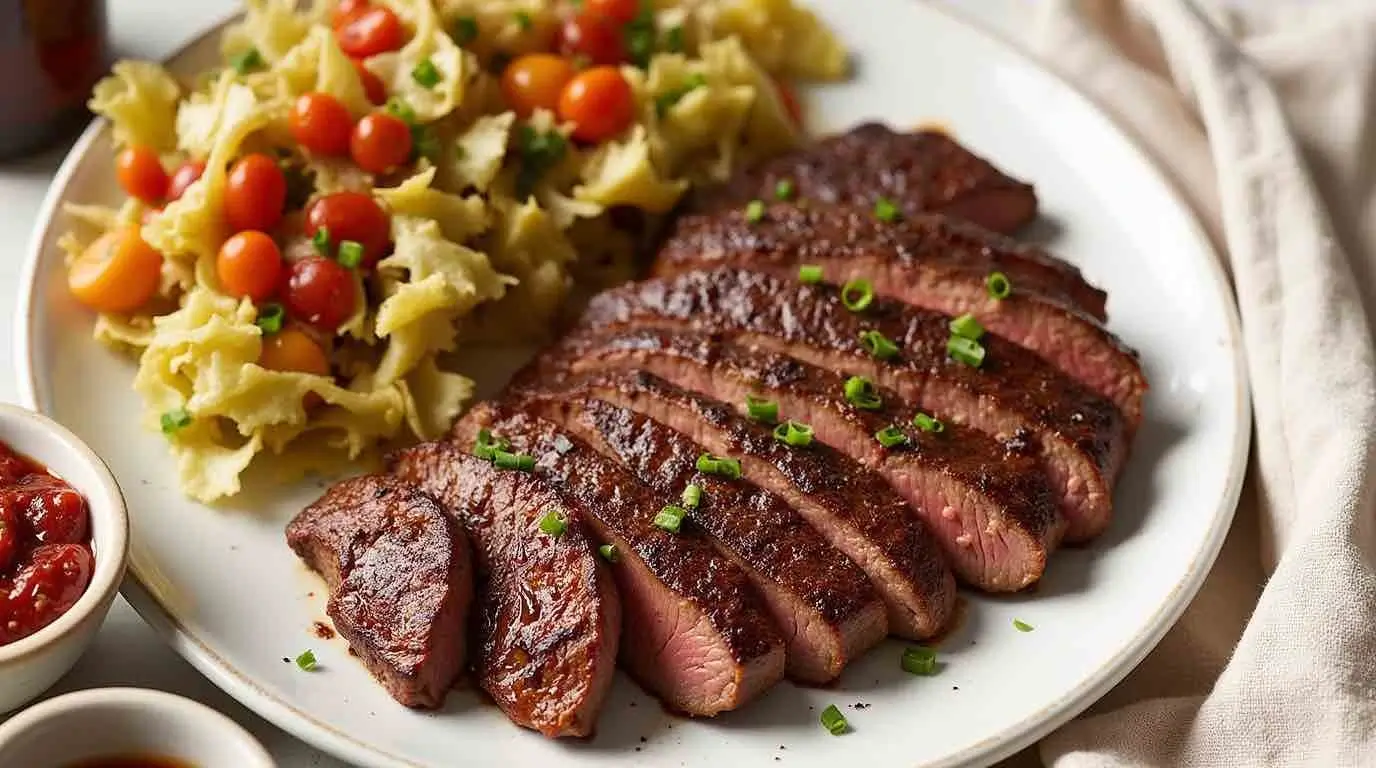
(1262, 113)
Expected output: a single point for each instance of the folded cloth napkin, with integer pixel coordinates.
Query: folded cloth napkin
(1262, 113)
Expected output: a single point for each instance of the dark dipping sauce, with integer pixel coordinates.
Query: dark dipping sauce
(132, 761)
(45, 546)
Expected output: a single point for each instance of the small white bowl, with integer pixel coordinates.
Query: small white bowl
(30, 666)
(125, 722)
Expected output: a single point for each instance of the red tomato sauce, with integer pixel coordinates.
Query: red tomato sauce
(45, 546)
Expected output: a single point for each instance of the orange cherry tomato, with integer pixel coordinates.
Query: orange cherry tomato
(249, 265)
(141, 174)
(593, 37)
(255, 194)
(320, 123)
(293, 351)
(623, 11)
(370, 31)
(187, 173)
(790, 100)
(372, 84)
(599, 103)
(534, 81)
(319, 292)
(352, 216)
(346, 10)
(118, 272)
(380, 142)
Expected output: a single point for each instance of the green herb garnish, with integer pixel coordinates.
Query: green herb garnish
(794, 433)
(723, 466)
(175, 420)
(861, 393)
(270, 318)
(665, 101)
(754, 211)
(998, 285)
(554, 523)
(967, 327)
(857, 294)
(885, 210)
(965, 350)
(247, 61)
(350, 253)
(539, 152)
(761, 410)
(919, 660)
(878, 345)
(465, 30)
(692, 496)
(426, 74)
(609, 553)
(1022, 626)
(928, 423)
(783, 189)
(834, 721)
(891, 436)
(306, 661)
(670, 518)
(810, 274)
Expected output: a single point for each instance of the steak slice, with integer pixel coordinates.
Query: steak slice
(698, 635)
(400, 581)
(825, 606)
(991, 509)
(1014, 395)
(918, 171)
(929, 262)
(550, 619)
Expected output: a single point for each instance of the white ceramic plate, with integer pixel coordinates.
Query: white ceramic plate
(223, 588)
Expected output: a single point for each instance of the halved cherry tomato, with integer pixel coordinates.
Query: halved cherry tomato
(292, 350)
(249, 265)
(319, 292)
(255, 194)
(370, 31)
(346, 10)
(320, 123)
(623, 11)
(594, 37)
(599, 103)
(118, 272)
(187, 173)
(534, 81)
(380, 142)
(372, 84)
(790, 100)
(141, 174)
(352, 216)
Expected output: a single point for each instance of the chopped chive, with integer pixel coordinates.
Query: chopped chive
(878, 345)
(465, 30)
(891, 436)
(885, 210)
(306, 661)
(247, 61)
(673, 39)
(562, 445)
(175, 420)
(919, 660)
(999, 286)
(754, 211)
(1022, 626)
(965, 350)
(670, 518)
(810, 274)
(967, 327)
(640, 36)
(609, 553)
(321, 241)
(834, 721)
(350, 253)
(928, 423)
(724, 466)
(665, 101)
(857, 294)
(860, 392)
(486, 448)
(426, 74)
(554, 523)
(398, 106)
(508, 460)
(524, 21)
(794, 433)
(761, 410)
(783, 190)
(692, 496)
(270, 318)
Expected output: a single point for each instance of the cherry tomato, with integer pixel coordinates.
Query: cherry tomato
(370, 31)
(255, 194)
(45, 589)
(599, 103)
(141, 174)
(319, 292)
(249, 265)
(352, 216)
(372, 84)
(293, 350)
(790, 100)
(187, 173)
(116, 273)
(53, 512)
(380, 142)
(9, 536)
(345, 11)
(594, 37)
(623, 11)
(534, 81)
(320, 123)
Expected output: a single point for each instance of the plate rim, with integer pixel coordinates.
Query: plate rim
(991, 749)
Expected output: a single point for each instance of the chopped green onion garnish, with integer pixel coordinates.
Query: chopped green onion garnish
(609, 553)
(350, 253)
(754, 211)
(538, 152)
(306, 661)
(878, 345)
(673, 39)
(1021, 625)
(783, 190)
(810, 274)
(885, 210)
(860, 392)
(465, 30)
(965, 350)
(928, 423)
(321, 241)
(857, 294)
(794, 433)
(692, 496)
(640, 36)
(1000, 287)
(524, 21)
(426, 74)
(761, 410)
(967, 327)
(670, 518)
(669, 98)
(174, 420)
(398, 106)
(891, 436)
(486, 448)
(834, 721)
(554, 523)
(724, 466)
(508, 460)
(270, 318)
(919, 661)
(562, 445)
(248, 61)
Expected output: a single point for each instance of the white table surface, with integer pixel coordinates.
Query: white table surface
(126, 652)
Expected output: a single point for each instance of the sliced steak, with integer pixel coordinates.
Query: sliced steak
(929, 262)
(697, 633)
(1014, 395)
(825, 606)
(400, 581)
(991, 509)
(918, 171)
(549, 616)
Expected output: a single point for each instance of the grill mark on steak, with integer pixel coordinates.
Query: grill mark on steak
(919, 171)
(549, 616)
(1080, 436)
(991, 509)
(915, 262)
(400, 581)
(700, 637)
(825, 606)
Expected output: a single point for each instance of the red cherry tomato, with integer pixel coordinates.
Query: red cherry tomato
(346, 10)
(255, 194)
(53, 512)
(790, 100)
(534, 81)
(45, 589)
(380, 142)
(599, 103)
(372, 84)
(187, 173)
(319, 292)
(352, 216)
(370, 31)
(320, 123)
(141, 174)
(593, 37)
(249, 265)
(623, 11)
